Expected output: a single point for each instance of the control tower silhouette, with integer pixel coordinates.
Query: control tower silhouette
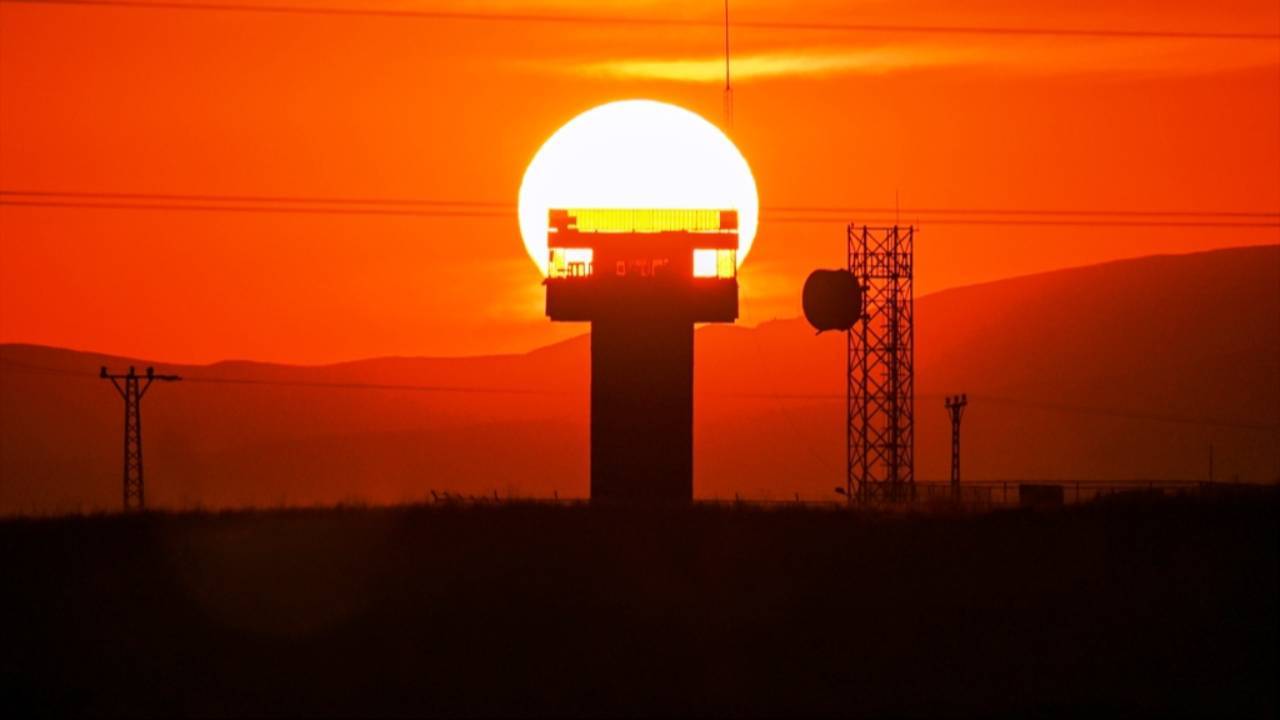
(642, 278)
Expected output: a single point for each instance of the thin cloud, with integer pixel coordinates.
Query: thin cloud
(1129, 56)
(775, 64)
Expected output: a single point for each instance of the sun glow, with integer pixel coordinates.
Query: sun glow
(637, 154)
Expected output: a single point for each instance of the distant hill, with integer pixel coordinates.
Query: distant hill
(1124, 370)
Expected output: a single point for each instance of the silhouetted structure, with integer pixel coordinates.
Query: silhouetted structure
(881, 360)
(955, 409)
(132, 392)
(832, 300)
(642, 278)
(1038, 495)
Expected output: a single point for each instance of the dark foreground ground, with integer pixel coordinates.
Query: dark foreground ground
(1156, 608)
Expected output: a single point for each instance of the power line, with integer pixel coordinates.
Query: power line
(1126, 414)
(570, 19)
(1013, 211)
(293, 199)
(1032, 223)
(14, 366)
(1038, 405)
(510, 207)
(380, 386)
(483, 210)
(510, 215)
(40, 370)
(287, 209)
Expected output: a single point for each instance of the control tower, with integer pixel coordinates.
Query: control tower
(642, 278)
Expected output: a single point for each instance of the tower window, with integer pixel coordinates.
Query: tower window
(720, 264)
(570, 262)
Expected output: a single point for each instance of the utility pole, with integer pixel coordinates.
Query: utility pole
(132, 391)
(955, 408)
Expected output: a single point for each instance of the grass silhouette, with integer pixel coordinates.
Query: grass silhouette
(1153, 606)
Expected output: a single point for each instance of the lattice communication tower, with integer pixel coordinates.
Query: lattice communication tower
(881, 367)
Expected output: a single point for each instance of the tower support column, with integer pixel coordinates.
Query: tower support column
(642, 409)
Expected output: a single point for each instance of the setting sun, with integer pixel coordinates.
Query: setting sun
(636, 154)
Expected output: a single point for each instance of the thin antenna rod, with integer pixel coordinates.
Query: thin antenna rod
(728, 86)
(726, 44)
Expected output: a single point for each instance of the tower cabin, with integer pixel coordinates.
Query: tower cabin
(642, 278)
(676, 263)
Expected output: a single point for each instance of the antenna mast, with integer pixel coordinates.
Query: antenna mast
(728, 87)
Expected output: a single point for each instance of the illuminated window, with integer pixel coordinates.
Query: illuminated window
(650, 221)
(570, 262)
(715, 264)
(726, 263)
(704, 263)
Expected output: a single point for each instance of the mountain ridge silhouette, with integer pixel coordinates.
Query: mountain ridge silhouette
(1123, 370)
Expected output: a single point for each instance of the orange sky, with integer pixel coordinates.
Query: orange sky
(161, 101)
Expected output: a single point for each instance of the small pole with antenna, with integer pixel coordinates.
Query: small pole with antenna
(728, 87)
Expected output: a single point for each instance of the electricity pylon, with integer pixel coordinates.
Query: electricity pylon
(955, 408)
(132, 391)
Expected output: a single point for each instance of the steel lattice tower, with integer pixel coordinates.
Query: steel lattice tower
(132, 391)
(881, 367)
